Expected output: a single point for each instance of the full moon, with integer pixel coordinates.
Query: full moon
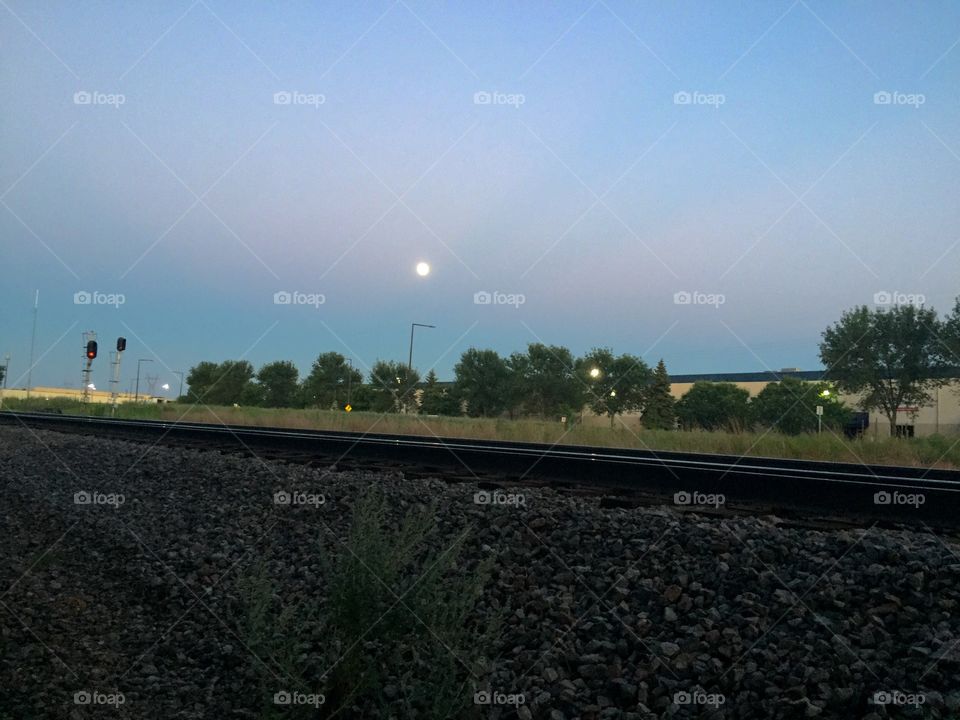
(423, 269)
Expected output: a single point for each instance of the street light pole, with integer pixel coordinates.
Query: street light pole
(413, 326)
(180, 373)
(33, 342)
(349, 381)
(410, 357)
(136, 397)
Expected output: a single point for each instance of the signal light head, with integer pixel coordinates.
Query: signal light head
(121, 344)
(91, 349)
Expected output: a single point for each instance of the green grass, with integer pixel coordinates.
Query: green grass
(395, 602)
(929, 451)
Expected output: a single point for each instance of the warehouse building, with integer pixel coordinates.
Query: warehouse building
(76, 394)
(941, 416)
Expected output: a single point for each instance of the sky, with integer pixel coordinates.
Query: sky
(711, 183)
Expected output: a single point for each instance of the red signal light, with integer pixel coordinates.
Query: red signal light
(91, 349)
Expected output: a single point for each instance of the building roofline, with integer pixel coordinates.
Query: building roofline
(762, 376)
(776, 376)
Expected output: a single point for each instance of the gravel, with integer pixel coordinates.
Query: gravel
(131, 600)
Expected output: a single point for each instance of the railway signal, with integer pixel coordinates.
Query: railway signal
(89, 354)
(115, 380)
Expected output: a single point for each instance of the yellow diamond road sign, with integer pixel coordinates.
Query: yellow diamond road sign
(348, 408)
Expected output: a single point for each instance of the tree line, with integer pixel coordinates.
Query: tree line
(892, 356)
(546, 381)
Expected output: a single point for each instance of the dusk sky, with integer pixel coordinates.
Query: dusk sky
(778, 161)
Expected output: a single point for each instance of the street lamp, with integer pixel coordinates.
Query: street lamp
(136, 397)
(595, 372)
(410, 358)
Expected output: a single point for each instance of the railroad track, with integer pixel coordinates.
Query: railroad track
(841, 492)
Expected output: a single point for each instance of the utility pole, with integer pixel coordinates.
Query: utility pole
(6, 373)
(33, 342)
(180, 373)
(136, 397)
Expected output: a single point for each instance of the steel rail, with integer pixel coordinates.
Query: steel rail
(909, 494)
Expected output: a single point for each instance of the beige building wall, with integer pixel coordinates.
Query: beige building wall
(942, 416)
(96, 396)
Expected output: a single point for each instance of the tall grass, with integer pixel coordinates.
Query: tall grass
(395, 607)
(928, 451)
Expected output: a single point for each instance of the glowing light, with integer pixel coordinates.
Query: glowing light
(91, 386)
(594, 372)
(165, 386)
(423, 269)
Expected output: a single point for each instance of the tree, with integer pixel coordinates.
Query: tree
(549, 384)
(225, 383)
(659, 411)
(614, 384)
(950, 337)
(331, 378)
(893, 356)
(518, 367)
(483, 381)
(234, 386)
(714, 406)
(392, 386)
(437, 400)
(361, 398)
(279, 384)
(790, 406)
(200, 379)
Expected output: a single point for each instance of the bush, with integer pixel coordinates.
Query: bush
(714, 406)
(790, 406)
(384, 589)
